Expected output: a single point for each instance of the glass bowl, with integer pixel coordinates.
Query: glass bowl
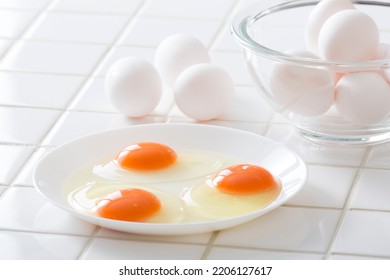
(267, 29)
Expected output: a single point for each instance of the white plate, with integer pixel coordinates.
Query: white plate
(53, 169)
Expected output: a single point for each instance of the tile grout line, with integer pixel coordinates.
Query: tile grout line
(223, 25)
(92, 71)
(59, 41)
(348, 202)
(30, 72)
(63, 111)
(118, 14)
(107, 53)
(210, 245)
(268, 128)
(87, 80)
(175, 17)
(30, 107)
(94, 233)
(276, 250)
(213, 42)
(209, 48)
(90, 13)
(216, 36)
(252, 248)
(31, 25)
(88, 244)
(15, 9)
(27, 231)
(215, 234)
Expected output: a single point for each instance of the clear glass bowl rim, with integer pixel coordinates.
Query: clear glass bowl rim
(244, 19)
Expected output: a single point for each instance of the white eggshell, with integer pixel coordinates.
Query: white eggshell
(363, 98)
(321, 12)
(302, 90)
(176, 53)
(383, 52)
(348, 35)
(133, 86)
(203, 91)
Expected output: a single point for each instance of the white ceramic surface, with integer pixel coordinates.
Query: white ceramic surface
(54, 168)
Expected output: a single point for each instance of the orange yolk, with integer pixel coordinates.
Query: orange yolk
(244, 179)
(132, 205)
(146, 156)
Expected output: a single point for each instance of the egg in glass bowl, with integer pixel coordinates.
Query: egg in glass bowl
(323, 65)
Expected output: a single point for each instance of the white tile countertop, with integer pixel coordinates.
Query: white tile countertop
(54, 56)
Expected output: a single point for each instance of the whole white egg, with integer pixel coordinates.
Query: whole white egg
(176, 53)
(133, 86)
(363, 98)
(348, 35)
(321, 12)
(302, 90)
(203, 91)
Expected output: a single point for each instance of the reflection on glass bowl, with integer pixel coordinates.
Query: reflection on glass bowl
(303, 87)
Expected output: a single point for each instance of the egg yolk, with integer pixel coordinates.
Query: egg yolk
(244, 179)
(146, 156)
(132, 205)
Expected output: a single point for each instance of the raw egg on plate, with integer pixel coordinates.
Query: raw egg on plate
(234, 191)
(149, 162)
(150, 182)
(132, 203)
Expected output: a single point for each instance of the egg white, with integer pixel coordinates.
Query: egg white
(85, 198)
(189, 165)
(205, 202)
(183, 189)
